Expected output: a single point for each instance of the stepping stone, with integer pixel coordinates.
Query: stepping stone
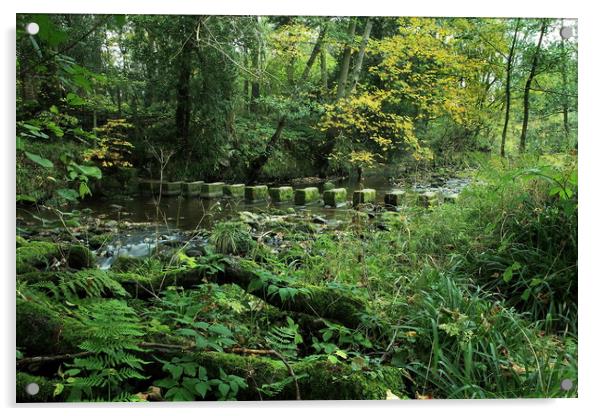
(336, 197)
(235, 191)
(394, 198)
(256, 193)
(365, 196)
(212, 190)
(428, 199)
(172, 188)
(192, 188)
(149, 186)
(451, 198)
(306, 195)
(281, 194)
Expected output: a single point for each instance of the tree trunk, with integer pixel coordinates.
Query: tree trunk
(257, 163)
(565, 99)
(344, 72)
(508, 97)
(523, 134)
(324, 71)
(183, 105)
(360, 58)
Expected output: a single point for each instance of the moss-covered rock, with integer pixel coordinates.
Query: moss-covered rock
(335, 197)
(317, 379)
(428, 199)
(212, 190)
(256, 193)
(190, 189)
(364, 196)
(394, 198)
(307, 196)
(45, 389)
(235, 190)
(41, 331)
(39, 255)
(281, 194)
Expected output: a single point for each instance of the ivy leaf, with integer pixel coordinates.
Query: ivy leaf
(39, 160)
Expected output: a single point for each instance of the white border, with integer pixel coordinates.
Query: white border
(590, 94)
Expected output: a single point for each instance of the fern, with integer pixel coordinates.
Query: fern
(85, 283)
(112, 332)
(285, 339)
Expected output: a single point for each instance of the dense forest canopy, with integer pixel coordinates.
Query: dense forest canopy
(242, 97)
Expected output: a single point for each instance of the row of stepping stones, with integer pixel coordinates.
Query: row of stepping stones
(334, 197)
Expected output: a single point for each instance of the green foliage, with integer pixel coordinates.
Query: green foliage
(231, 237)
(112, 333)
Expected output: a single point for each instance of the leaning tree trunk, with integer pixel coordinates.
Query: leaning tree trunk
(258, 163)
(523, 133)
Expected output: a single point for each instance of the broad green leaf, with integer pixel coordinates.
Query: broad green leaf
(39, 160)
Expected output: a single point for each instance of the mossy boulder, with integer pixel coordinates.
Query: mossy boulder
(428, 199)
(317, 379)
(307, 196)
(212, 190)
(256, 193)
(234, 190)
(394, 198)
(281, 194)
(40, 255)
(191, 188)
(336, 197)
(41, 331)
(45, 389)
(364, 196)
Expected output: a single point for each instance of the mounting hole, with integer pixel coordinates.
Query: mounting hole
(566, 384)
(32, 389)
(32, 28)
(566, 32)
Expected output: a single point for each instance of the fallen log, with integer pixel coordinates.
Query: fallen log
(329, 303)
